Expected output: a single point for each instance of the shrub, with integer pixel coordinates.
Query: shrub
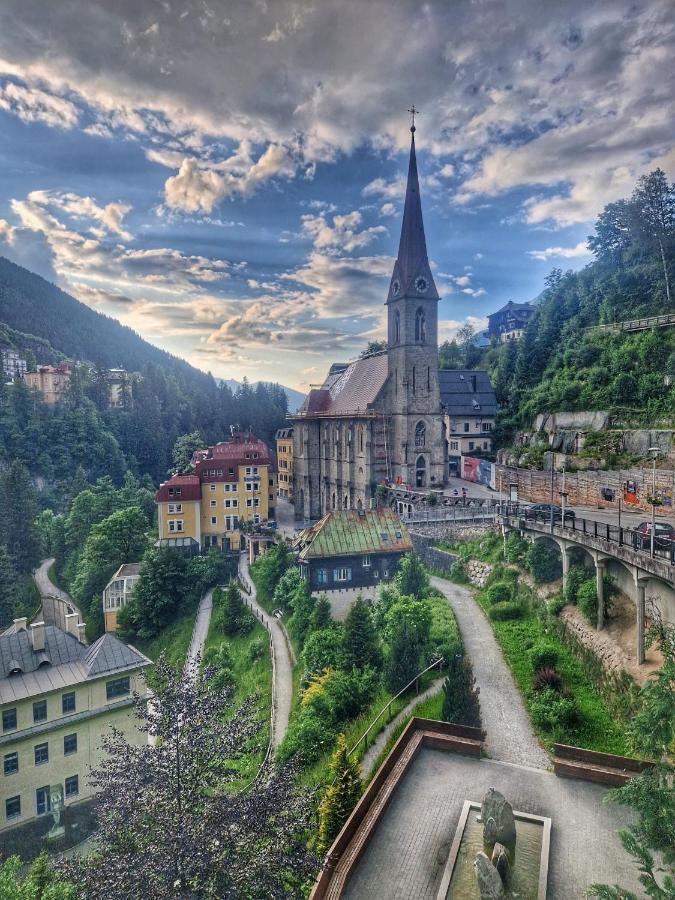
(575, 578)
(340, 797)
(309, 736)
(411, 577)
(556, 604)
(460, 701)
(544, 679)
(587, 600)
(499, 592)
(543, 656)
(502, 612)
(457, 573)
(553, 712)
(543, 562)
(516, 548)
(257, 650)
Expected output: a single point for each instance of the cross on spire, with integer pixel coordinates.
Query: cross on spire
(413, 112)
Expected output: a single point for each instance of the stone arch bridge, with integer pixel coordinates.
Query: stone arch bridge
(616, 552)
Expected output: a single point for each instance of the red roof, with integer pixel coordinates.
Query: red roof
(244, 449)
(189, 485)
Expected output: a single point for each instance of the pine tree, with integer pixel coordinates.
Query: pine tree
(7, 588)
(411, 577)
(233, 610)
(460, 703)
(321, 614)
(340, 797)
(404, 657)
(361, 645)
(18, 529)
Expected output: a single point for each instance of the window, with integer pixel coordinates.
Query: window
(366, 562)
(249, 502)
(219, 473)
(248, 470)
(230, 471)
(420, 326)
(40, 711)
(11, 763)
(470, 445)
(322, 576)
(12, 807)
(342, 574)
(213, 503)
(466, 426)
(175, 525)
(485, 445)
(43, 802)
(214, 520)
(228, 504)
(68, 702)
(119, 687)
(454, 445)
(175, 507)
(72, 786)
(41, 752)
(420, 434)
(256, 502)
(212, 487)
(9, 719)
(69, 744)
(175, 492)
(397, 327)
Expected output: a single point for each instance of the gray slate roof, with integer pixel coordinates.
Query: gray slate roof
(458, 396)
(350, 391)
(63, 663)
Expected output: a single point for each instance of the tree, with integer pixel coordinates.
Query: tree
(302, 603)
(650, 794)
(18, 531)
(373, 347)
(460, 701)
(322, 650)
(411, 577)
(7, 588)
(172, 818)
(613, 227)
(321, 614)
(654, 200)
(361, 646)
(235, 614)
(162, 584)
(340, 797)
(183, 448)
(268, 569)
(543, 562)
(405, 651)
(40, 883)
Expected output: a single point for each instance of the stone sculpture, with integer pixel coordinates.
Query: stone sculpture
(489, 883)
(499, 824)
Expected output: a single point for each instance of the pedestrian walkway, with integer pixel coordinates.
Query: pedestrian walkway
(509, 734)
(199, 632)
(282, 668)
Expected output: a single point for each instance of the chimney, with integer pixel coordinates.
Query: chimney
(71, 623)
(37, 635)
(82, 638)
(20, 624)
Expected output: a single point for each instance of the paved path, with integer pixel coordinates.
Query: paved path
(282, 669)
(370, 756)
(47, 588)
(509, 734)
(199, 631)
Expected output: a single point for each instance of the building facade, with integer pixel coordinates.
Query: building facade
(284, 442)
(58, 699)
(117, 593)
(231, 483)
(470, 412)
(51, 381)
(119, 389)
(14, 366)
(510, 322)
(351, 549)
(379, 419)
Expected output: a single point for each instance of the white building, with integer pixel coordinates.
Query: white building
(117, 593)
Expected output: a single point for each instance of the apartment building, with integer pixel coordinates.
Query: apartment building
(14, 366)
(469, 412)
(284, 442)
(51, 381)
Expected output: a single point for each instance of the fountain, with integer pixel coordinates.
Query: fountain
(497, 854)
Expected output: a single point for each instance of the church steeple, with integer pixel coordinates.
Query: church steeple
(412, 275)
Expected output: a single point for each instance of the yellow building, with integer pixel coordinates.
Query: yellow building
(232, 482)
(50, 381)
(284, 439)
(58, 698)
(117, 593)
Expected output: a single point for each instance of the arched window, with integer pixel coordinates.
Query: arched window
(420, 326)
(397, 327)
(334, 501)
(421, 472)
(420, 434)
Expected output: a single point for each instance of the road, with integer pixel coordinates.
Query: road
(199, 631)
(48, 589)
(282, 682)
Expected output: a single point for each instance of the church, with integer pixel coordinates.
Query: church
(379, 419)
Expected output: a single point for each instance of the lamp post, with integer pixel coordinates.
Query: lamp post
(563, 498)
(654, 451)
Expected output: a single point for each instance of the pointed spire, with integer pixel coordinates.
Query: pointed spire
(412, 263)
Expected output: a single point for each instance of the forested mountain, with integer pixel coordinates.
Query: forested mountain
(563, 363)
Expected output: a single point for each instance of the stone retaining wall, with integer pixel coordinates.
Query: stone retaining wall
(431, 555)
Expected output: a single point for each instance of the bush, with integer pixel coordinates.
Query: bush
(553, 712)
(457, 573)
(543, 562)
(499, 592)
(503, 612)
(543, 656)
(556, 604)
(587, 600)
(516, 548)
(544, 679)
(460, 702)
(257, 650)
(575, 578)
(309, 737)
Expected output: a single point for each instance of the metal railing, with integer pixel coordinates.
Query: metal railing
(632, 538)
(637, 324)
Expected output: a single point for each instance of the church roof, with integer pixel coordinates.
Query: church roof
(350, 531)
(350, 391)
(412, 261)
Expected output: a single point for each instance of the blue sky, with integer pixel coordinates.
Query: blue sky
(227, 177)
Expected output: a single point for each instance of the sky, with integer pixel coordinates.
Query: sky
(227, 177)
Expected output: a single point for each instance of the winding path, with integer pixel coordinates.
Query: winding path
(282, 669)
(48, 589)
(199, 631)
(509, 734)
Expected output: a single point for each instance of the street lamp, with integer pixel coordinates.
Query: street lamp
(563, 498)
(654, 451)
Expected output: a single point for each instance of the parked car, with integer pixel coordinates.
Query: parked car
(664, 535)
(542, 511)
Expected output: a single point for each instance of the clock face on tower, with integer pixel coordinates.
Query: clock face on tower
(396, 287)
(421, 285)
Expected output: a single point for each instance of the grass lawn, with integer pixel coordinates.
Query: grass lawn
(174, 640)
(597, 729)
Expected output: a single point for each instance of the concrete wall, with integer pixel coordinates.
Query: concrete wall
(429, 554)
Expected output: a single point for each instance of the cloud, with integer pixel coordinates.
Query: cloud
(464, 283)
(387, 210)
(7, 232)
(343, 236)
(34, 105)
(109, 216)
(580, 249)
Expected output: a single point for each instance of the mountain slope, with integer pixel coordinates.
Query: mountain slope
(295, 398)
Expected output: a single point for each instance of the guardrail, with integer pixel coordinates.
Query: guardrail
(613, 534)
(637, 324)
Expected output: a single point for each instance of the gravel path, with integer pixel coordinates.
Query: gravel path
(509, 733)
(370, 756)
(199, 631)
(282, 681)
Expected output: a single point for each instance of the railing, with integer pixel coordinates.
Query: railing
(461, 515)
(664, 548)
(637, 324)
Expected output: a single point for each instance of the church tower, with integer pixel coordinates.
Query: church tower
(417, 441)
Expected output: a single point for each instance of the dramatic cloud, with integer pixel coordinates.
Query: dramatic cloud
(34, 105)
(343, 235)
